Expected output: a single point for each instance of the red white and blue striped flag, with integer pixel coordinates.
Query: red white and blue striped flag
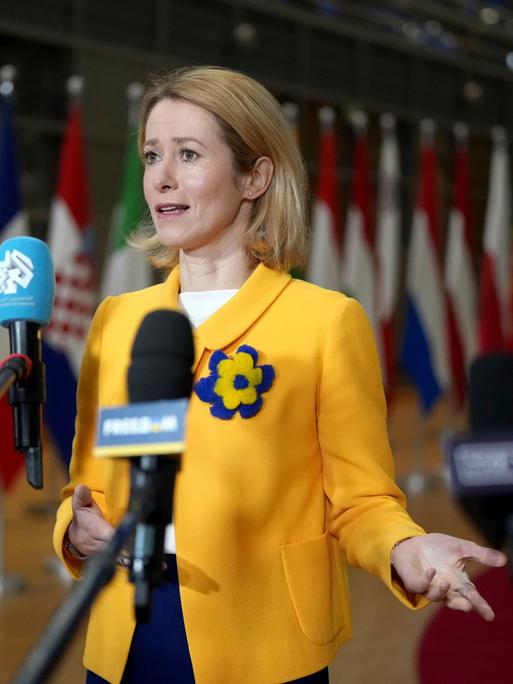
(424, 349)
(74, 287)
(460, 279)
(495, 322)
(13, 221)
(325, 263)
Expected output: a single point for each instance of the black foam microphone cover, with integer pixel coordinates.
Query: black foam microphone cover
(491, 410)
(162, 356)
(160, 369)
(491, 392)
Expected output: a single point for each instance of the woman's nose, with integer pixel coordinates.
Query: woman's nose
(166, 178)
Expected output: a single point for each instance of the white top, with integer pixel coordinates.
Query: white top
(198, 306)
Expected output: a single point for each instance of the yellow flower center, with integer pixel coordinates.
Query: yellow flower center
(237, 381)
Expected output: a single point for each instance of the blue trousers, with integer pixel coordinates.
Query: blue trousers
(159, 652)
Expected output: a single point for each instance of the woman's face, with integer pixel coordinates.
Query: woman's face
(196, 201)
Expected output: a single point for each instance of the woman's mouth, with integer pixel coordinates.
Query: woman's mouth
(170, 209)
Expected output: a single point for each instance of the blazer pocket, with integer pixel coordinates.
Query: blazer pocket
(315, 579)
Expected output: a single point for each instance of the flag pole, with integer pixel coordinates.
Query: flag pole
(9, 584)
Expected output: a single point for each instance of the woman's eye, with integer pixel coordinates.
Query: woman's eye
(188, 155)
(150, 157)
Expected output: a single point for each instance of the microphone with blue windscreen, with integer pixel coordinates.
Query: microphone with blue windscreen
(26, 300)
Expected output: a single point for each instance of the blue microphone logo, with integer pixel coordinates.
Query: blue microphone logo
(26, 281)
(16, 270)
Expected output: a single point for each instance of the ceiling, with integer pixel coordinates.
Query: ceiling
(466, 29)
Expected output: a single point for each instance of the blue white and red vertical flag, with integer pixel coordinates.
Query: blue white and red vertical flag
(495, 320)
(424, 351)
(460, 279)
(74, 287)
(388, 249)
(325, 262)
(13, 221)
(359, 263)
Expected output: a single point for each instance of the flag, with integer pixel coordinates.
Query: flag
(126, 270)
(494, 325)
(324, 264)
(388, 236)
(424, 348)
(13, 221)
(460, 280)
(74, 287)
(359, 266)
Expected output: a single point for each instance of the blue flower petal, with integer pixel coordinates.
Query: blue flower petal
(249, 350)
(249, 410)
(218, 410)
(268, 376)
(204, 388)
(214, 360)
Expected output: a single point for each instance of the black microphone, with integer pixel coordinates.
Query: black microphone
(160, 369)
(26, 299)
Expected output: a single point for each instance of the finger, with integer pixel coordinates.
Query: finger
(437, 591)
(82, 497)
(478, 603)
(484, 555)
(420, 584)
(459, 603)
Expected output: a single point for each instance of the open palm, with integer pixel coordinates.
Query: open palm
(433, 566)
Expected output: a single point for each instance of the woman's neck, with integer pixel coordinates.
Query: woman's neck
(228, 272)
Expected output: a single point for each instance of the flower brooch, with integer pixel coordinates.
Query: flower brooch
(235, 383)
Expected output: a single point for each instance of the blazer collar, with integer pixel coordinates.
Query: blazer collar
(240, 312)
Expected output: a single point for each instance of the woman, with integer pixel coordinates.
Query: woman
(287, 470)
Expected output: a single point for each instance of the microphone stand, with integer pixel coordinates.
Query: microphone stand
(98, 572)
(150, 503)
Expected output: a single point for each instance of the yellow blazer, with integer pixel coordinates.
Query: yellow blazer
(266, 508)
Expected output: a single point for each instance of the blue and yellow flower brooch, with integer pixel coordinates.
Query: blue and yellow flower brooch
(235, 383)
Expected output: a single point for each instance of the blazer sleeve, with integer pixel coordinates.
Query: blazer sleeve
(366, 509)
(84, 467)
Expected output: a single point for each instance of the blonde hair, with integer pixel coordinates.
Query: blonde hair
(252, 124)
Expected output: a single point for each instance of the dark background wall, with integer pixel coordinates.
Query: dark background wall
(347, 54)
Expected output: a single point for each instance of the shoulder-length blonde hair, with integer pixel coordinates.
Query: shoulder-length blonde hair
(252, 125)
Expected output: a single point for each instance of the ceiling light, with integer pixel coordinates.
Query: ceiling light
(489, 15)
(472, 91)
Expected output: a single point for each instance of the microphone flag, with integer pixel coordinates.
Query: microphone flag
(150, 428)
(424, 349)
(13, 221)
(75, 287)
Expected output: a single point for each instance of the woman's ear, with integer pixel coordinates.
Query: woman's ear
(259, 178)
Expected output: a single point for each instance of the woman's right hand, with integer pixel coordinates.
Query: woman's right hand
(89, 531)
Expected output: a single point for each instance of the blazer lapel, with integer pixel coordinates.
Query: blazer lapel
(235, 317)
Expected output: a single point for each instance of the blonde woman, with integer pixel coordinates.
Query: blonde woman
(287, 472)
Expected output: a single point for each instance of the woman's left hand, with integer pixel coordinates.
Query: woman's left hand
(433, 566)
